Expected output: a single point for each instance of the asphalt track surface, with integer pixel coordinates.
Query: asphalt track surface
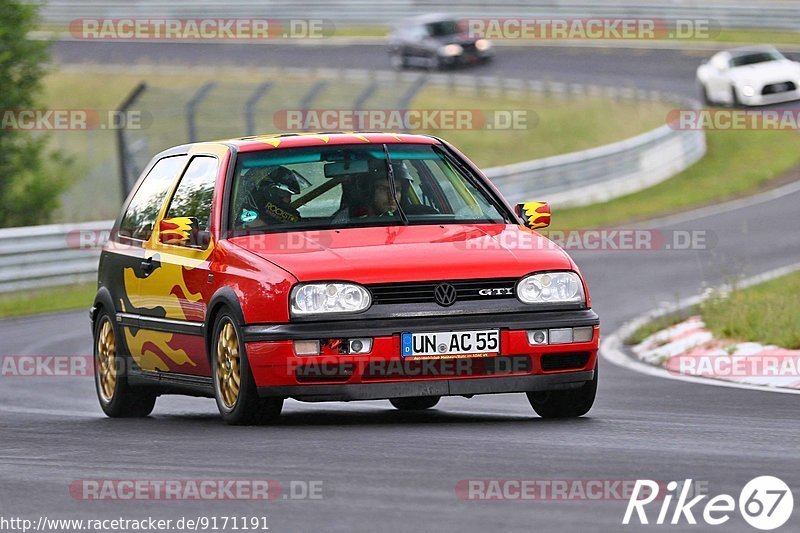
(383, 470)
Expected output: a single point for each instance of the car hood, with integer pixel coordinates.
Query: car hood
(456, 38)
(409, 253)
(768, 72)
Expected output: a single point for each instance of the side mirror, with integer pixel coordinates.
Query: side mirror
(534, 215)
(183, 231)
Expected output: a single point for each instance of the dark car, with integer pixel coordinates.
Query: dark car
(436, 42)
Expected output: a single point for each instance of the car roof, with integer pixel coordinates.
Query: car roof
(294, 140)
(428, 18)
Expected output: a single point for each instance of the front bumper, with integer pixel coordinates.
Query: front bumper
(769, 99)
(438, 387)
(384, 373)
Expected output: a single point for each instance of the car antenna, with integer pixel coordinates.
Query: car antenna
(393, 185)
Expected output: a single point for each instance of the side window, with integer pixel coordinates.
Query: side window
(146, 203)
(193, 196)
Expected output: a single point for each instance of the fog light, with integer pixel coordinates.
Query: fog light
(306, 347)
(561, 336)
(584, 334)
(360, 346)
(748, 91)
(538, 336)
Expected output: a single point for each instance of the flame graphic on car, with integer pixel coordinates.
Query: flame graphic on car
(166, 289)
(537, 213)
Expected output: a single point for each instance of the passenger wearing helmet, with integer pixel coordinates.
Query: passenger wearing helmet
(270, 202)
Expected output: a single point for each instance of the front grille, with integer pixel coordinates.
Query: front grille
(423, 292)
(564, 361)
(777, 88)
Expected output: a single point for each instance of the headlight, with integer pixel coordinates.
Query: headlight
(748, 91)
(320, 298)
(483, 44)
(551, 287)
(451, 50)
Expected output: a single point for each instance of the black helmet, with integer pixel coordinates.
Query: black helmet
(278, 178)
(283, 179)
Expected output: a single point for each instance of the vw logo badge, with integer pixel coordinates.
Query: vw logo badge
(444, 294)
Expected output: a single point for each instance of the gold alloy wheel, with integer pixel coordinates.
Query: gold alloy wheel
(106, 361)
(228, 365)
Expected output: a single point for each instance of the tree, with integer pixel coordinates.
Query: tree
(32, 178)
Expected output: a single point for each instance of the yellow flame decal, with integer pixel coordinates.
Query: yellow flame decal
(537, 213)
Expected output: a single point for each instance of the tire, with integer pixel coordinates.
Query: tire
(398, 60)
(415, 404)
(570, 403)
(117, 399)
(704, 96)
(735, 102)
(435, 63)
(238, 404)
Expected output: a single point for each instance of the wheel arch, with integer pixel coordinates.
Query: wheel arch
(102, 301)
(224, 298)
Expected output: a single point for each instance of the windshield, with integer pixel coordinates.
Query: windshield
(350, 186)
(443, 28)
(756, 57)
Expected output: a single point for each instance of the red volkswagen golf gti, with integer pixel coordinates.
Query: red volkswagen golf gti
(335, 267)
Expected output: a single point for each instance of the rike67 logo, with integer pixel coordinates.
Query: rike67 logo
(765, 503)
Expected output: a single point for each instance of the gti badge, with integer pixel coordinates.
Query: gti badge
(499, 291)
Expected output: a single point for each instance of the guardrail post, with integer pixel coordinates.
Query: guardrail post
(362, 98)
(250, 106)
(411, 92)
(125, 163)
(191, 108)
(308, 99)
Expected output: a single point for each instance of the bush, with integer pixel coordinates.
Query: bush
(32, 178)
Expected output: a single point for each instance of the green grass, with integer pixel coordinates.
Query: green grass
(756, 36)
(738, 163)
(656, 325)
(47, 300)
(552, 125)
(768, 313)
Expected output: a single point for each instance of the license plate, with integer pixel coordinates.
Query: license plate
(483, 343)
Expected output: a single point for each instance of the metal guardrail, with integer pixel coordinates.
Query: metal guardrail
(727, 13)
(602, 173)
(41, 256)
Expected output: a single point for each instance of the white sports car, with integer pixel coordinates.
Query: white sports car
(749, 76)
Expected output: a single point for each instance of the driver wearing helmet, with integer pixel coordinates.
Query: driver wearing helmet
(270, 202)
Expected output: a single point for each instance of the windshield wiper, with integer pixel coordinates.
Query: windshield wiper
(393, 186)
